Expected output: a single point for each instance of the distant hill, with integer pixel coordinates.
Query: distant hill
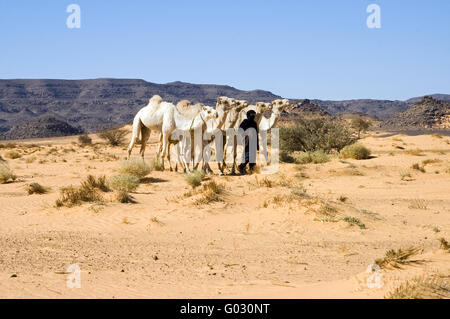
(304, 108)
(426, 113)
(91, 105)
(94, 104)
(46, 126)
(380, 109)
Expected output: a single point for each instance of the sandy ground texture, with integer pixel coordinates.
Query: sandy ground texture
(285, 235)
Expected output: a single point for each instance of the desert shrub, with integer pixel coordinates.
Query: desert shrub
(12, 154)
(419, 168)
(211, 193)
(36, 188)
(315, 157)
(195, 178)
(93, 182)
(398, 257)
(114, 137)
(416, 152)
(136, 167)
(156, 165)
(308, 135)
(6, 174)
(124, 182)
(286, 157)
(71, 196)
(125, 198)
(445, 245)
(84, 139)
(431, 286)
(354, 221)
(355, 151)
(30, 159)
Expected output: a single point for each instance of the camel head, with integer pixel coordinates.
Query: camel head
(279, 105)
(242, 103)
(208, 113)
(262, 107)
(184, 104)
(223, 104)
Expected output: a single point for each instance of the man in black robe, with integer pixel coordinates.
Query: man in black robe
(247, 124)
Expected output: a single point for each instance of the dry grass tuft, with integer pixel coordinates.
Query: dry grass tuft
(156, 165)
(416, 152)
(125, 198)
(211, 193)
(123, 183)
(30, 159)
(13, 154)
(445, 245)
(36, 188)
(433, 286)
(72, 196)
(395, 258)
(418, 204)
(136, 167)
(354, 221)
(316, 157)
(419, 168)
(195, 178)
(93, 182)
(355, 151)
(326, 213)
(6, 174)
(265, 182)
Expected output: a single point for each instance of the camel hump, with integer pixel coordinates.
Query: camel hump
(189, 111)
(156, 99)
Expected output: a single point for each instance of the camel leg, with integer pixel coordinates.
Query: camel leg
(145, 132)
(233, 169)
(165, 143)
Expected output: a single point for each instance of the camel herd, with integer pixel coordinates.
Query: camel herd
(181, 123)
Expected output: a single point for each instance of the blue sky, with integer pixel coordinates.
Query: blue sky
(314, 49)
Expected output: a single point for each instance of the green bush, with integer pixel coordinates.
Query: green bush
(355, 151)
(309, 135)
(123, 183)
(136, 167)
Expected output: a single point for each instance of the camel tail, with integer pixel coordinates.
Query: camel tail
(136, 132)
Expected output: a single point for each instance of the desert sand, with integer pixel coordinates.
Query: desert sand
(270, 236)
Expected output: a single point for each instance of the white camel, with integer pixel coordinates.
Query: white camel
(268, 123)
(163, 117)
(230, 122)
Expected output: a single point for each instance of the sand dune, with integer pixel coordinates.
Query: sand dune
(276, 236)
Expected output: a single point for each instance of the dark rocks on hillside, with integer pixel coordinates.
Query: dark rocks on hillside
(304, 108)
(427, 113)
(98, 103)
(46, 126)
